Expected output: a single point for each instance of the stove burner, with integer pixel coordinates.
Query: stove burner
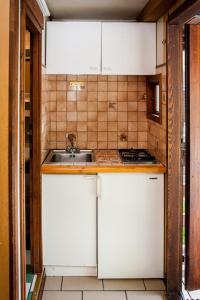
(136, 155)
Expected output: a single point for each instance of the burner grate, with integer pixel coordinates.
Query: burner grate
(136, 155)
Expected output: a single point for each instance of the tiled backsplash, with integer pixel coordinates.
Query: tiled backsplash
(108, 113)
(44, 116)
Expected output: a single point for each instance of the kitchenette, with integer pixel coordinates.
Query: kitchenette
(103, 173)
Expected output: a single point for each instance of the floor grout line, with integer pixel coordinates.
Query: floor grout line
(126, 295)
(144, 285)
(61, 283)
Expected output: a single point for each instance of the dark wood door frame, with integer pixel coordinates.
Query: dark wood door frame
(13, 148)
(29, 10)
(31, 18)
(175, 93)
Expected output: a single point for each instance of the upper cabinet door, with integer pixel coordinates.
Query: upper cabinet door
(129, 48)
(73, 47)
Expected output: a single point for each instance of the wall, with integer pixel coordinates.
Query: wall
(108, 107)
(44, 116)
(157, 133)
(4, 109)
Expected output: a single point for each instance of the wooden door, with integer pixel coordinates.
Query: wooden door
(193, 162)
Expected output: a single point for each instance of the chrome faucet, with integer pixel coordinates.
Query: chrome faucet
(73, 148)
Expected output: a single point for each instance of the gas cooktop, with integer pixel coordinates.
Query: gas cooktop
(142, 156)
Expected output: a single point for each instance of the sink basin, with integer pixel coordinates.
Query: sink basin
(63, 157)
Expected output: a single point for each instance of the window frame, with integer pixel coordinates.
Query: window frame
(152, 81)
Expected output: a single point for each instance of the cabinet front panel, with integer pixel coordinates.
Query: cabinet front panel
(130, 226)
(128, 48)
(73, 47)
(69, 220)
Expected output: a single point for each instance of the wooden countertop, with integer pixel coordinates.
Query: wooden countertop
(95, 168)
(106, 161)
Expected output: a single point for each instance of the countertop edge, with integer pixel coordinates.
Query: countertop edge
(93, 169)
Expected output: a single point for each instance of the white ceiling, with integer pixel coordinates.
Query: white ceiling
(96, 9)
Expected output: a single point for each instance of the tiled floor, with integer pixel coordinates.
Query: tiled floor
(90, 288)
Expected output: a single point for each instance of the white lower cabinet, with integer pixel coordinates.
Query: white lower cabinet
(130, 225)
(129, 221)
(69, 224)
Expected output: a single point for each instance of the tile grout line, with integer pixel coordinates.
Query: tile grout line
(126, 295)
(145, 288)
(61, 283)
(103, 284)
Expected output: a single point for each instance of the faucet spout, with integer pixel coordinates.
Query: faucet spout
(73, 148)
(72, 139)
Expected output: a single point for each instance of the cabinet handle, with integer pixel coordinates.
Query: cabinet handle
(98, 187)
(153, 178)
(93, 68)
(107, 69)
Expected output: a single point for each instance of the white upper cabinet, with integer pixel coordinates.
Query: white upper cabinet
(73, 47)
(115, 48)
(128, 48)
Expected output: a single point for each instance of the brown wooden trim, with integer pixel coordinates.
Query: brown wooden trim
(28, 19)
(160, 66)
(36, 233)
(13, 147)
(194, 21)
(155, 9)
(174, 178)
(6, 245)
(34, 14)
(39, 286)
(22, 151)
(60, 169)
(185, 12)
(192, 166)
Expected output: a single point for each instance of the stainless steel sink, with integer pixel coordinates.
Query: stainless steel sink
(63, 157)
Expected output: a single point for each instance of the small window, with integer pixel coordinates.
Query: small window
(154, 98)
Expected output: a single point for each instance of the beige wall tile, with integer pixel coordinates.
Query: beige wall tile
(107, 107)
(71, 96)
(102, 95)
(61, 96)
(102, 86)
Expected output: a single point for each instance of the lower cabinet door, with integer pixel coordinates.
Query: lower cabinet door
(69, 224)
(130, 225)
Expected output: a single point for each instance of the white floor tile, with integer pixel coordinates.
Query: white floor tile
(185, 293)
(62, 295)
(195, 295)
(53, 283)
(123, 284)
(104, 295)
(82, 283)
(146, 295)
(154, 284)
